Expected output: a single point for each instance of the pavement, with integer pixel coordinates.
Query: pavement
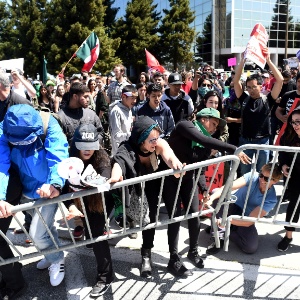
(267, 274)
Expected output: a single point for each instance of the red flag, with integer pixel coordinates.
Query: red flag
(153, 63)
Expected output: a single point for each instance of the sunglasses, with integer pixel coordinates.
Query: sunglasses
(206, 84)
(266, 179)
(296, 123)
(153, 141)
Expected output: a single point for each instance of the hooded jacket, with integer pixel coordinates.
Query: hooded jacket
(22, 148)
(120, 123)
(162, 116)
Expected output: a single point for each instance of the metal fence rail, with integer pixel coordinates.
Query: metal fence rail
(226, 220)
(121, 185)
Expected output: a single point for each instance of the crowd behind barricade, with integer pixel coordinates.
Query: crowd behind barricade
(124, 130)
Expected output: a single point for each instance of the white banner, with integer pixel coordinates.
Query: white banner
(11, 64)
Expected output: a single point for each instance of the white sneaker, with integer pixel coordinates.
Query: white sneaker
(57, 272)
(43, 264)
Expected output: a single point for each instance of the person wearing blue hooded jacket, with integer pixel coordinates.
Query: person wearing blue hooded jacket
(34, 155)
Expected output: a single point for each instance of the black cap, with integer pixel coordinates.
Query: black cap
(175, 78)
(86, 137)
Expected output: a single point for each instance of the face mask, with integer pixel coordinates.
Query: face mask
(203, 90)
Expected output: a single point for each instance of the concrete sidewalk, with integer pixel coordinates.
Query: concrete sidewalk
(267, 274)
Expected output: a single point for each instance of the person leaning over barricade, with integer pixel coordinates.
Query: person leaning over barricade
(34, 155)
(86, 146)
(291, 137)
(140, 156)
(191, 142)
(244, 233)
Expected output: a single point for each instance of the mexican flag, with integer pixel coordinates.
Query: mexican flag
(89, 52)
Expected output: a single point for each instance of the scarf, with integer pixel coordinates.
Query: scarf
(202, 129)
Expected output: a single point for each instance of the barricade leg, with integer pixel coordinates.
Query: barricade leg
(39, 233)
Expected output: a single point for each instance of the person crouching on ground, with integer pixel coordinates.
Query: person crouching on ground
(244, 233)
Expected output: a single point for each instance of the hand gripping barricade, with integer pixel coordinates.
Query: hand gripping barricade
(69, 243)
(227, 198)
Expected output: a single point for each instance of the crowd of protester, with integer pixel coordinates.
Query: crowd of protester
(125, 130)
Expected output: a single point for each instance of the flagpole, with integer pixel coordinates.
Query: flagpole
(63, 69)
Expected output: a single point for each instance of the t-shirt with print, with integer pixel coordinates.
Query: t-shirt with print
(255, 195)
(288, 100)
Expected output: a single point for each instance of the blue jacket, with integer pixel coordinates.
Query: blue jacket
(22, 148)
(162, 116)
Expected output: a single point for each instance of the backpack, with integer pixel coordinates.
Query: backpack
(45, 114)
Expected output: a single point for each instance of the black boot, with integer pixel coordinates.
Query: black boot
(146, 263)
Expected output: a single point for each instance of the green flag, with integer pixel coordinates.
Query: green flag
(44, 70)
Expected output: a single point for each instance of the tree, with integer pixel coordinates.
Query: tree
(138, 30)
(176, 34)
(5, 31)
(110, 15)
(278, 26)
(203, 41)
(69, 23)
(25, 29)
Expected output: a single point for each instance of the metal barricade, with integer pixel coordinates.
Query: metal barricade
(197, 167)
(227, 198)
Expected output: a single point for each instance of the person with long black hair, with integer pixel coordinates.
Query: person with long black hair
(291, 137)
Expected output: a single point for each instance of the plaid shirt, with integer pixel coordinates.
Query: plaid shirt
(114, 91)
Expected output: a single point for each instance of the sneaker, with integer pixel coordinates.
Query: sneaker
(10, 294)
(78, 232)
(195, 258)
(284, 244)
(177, 268)
(57, 272)
(99, 289)
(119, 221)
(212, 249)
(43, 264)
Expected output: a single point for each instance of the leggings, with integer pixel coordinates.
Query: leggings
(293, 198)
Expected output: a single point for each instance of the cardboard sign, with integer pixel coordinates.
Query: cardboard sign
(296, 103)
(217, 181)
(258, 41)
(11, 64)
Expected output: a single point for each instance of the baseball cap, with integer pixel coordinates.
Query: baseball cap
(212, 113)
(50, 82)
(86, 137)
(175, 78)
(265, 75)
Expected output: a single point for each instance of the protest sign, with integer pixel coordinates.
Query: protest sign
(258, 41)
(292, 62)
(12, 64)
(231, 62)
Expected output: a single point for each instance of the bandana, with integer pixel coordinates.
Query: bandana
(202, 129)
(146, 133)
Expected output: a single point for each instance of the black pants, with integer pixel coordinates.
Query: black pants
(246, 238)
(169, 194)
(11, 273)
(152, 191)
(294, 192)
(101, 249)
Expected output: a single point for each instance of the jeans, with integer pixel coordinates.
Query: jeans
(39, 233)
(263, 155)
